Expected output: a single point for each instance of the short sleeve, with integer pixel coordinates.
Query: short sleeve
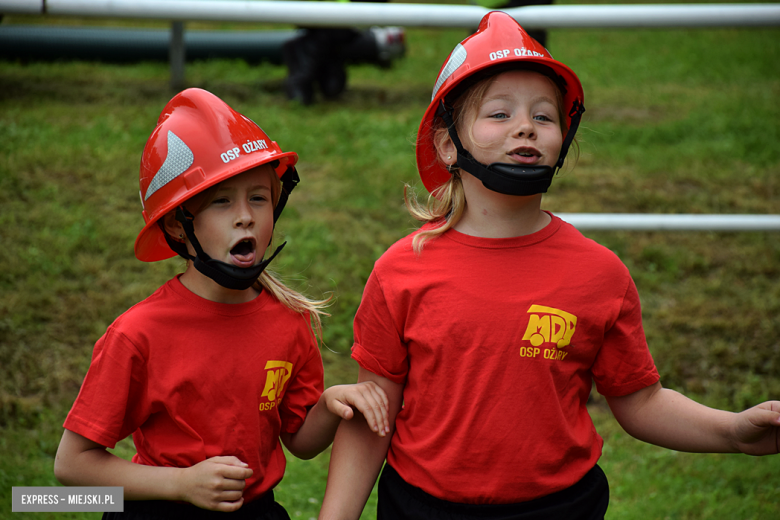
(624, 364)
(106, 409)
(378, 346)
(306, 384)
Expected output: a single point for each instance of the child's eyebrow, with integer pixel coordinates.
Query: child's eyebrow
(509, 97)
(251, 188)
(548, 100)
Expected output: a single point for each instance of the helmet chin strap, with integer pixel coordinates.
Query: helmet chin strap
(227, 275)
(511, 179)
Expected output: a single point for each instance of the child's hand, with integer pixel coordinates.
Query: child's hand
(757, 429)
(216, 483)
(367, 397)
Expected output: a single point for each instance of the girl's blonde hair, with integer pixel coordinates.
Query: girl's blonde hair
(443, 209)
(296, 301)
(445, 205)
(269, 281)
(288, 297)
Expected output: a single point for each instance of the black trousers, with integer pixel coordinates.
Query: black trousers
(263, 508)
(586, 500)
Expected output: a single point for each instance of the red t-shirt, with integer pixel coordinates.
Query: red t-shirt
(192, 379)
(497, 342)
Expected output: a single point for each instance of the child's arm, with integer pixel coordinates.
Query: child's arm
(336, 403)
(357, 457)
(667, 418)
(216, 483)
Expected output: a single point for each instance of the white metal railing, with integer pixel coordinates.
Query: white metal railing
(409, 15)
(660, 222)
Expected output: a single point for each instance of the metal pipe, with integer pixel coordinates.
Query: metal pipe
(124, 45)
(120, 45)
(22, 7)
(409, 15)
(659, 222)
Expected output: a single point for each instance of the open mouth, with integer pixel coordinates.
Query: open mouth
(243, 253)
(525, 155)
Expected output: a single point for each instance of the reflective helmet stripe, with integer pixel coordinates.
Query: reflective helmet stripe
(179, 158)
(457, 58)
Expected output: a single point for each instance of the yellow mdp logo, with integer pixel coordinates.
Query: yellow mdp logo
(278, 374)
(548, 325)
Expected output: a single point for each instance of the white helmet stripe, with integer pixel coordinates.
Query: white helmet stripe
(457, 58)
(179, 158)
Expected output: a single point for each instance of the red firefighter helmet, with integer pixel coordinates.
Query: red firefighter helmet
(199, 141)
(499, 44)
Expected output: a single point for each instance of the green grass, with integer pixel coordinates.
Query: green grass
(677, 121)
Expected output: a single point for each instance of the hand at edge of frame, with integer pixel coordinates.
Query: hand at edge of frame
(757, 429)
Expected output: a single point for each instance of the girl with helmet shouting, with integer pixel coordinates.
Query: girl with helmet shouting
(221, 362)
(488, 326)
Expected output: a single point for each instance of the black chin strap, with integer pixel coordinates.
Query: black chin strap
(576, 115)
(227, 275)
(290, 180)
(510, 179)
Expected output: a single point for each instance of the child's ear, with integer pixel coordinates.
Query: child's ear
(447, 152)
(172, 226)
